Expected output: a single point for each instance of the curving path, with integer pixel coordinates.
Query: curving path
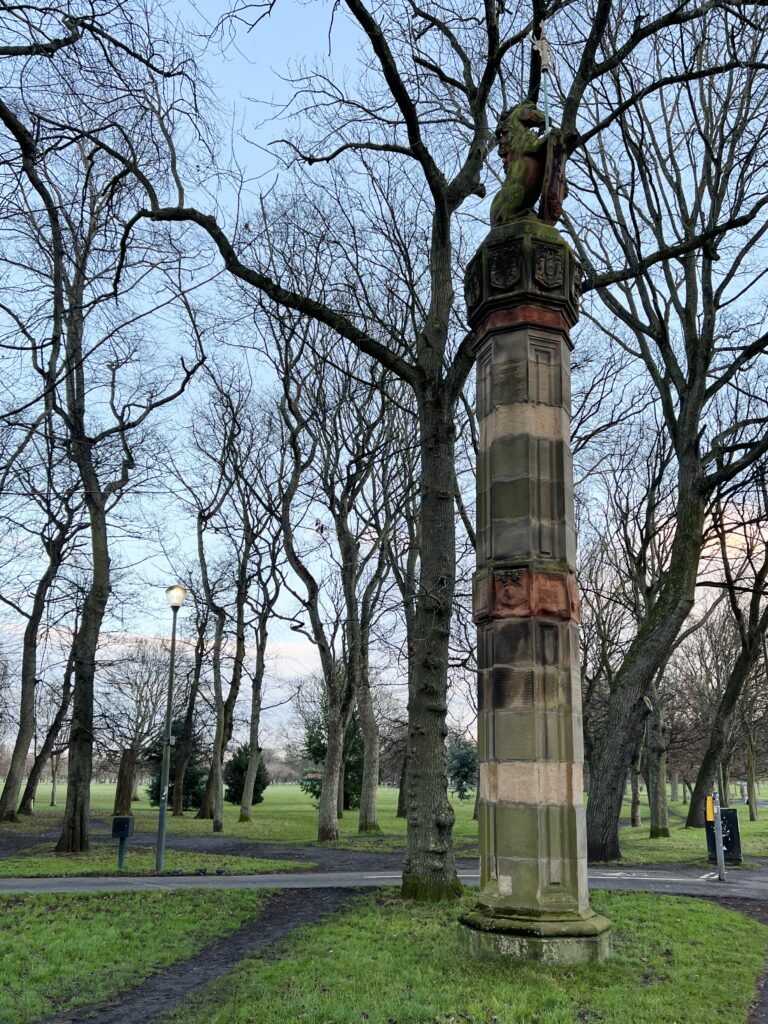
(161, 992)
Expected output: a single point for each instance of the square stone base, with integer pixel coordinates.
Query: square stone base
(557, 942)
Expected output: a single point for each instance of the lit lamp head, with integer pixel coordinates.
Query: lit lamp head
(176, 595)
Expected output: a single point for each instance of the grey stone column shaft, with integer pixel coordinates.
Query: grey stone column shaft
(522, 292)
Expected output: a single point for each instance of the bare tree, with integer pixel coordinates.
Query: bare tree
(676, 270)
(55, 744)
(753, 715)
(49, 510)
(267, 569)
(338, 429)
(252, 469)
(71, 202)
(743, 550)
(422, 104)
(130, 694)
(226, 481)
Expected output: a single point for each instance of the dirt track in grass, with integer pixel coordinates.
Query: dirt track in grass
(322, 858)
(286, 910)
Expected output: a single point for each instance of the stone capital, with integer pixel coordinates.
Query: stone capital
(523, 269)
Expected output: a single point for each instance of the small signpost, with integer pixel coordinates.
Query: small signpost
(122, 827)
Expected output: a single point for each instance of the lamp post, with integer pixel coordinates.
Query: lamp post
(175, 595)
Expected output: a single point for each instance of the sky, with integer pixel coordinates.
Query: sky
(247, 78)
(249, 81)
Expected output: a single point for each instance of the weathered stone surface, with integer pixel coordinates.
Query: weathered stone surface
(501, 591)
(551, 950)
(540, 265)
(537, 782)
(522, 291)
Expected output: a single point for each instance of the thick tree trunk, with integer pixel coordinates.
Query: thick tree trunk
(721, 727)
(647, 653)
(658, 742)
(15, 777)
(705, 781)
(27, 800)
(342, 799)
(369, 821)
(75, 831)
(675, 786)
(126, 777)
(327, 821)
(9, 797)
(687, 790)
(402, 790)
(429, 871)
(635, 818)
(254, 759)
(205, 810)
(254, 755)
(27, 805)
(218, 785)
(209, 795)
(751, 774)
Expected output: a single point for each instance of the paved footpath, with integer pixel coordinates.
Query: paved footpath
(682, 882)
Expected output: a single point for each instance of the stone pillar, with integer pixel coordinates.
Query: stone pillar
(522, 290)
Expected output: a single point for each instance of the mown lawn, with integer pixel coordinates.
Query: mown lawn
(687, 845)
(387, 962)
(41, 862)
(286, 816)
(62, 951)
(289, 816)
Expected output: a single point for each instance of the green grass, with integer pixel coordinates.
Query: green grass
(286, 816)
(387, 962)
(289, 816)
(41, 862)
(686, 845)
(43, 819)
(58, 952)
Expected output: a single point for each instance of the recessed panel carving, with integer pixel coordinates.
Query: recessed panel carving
(505, 264)
(547, 645)
(549, 269)
(483, 377)
(472, 284)
(511, 591)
